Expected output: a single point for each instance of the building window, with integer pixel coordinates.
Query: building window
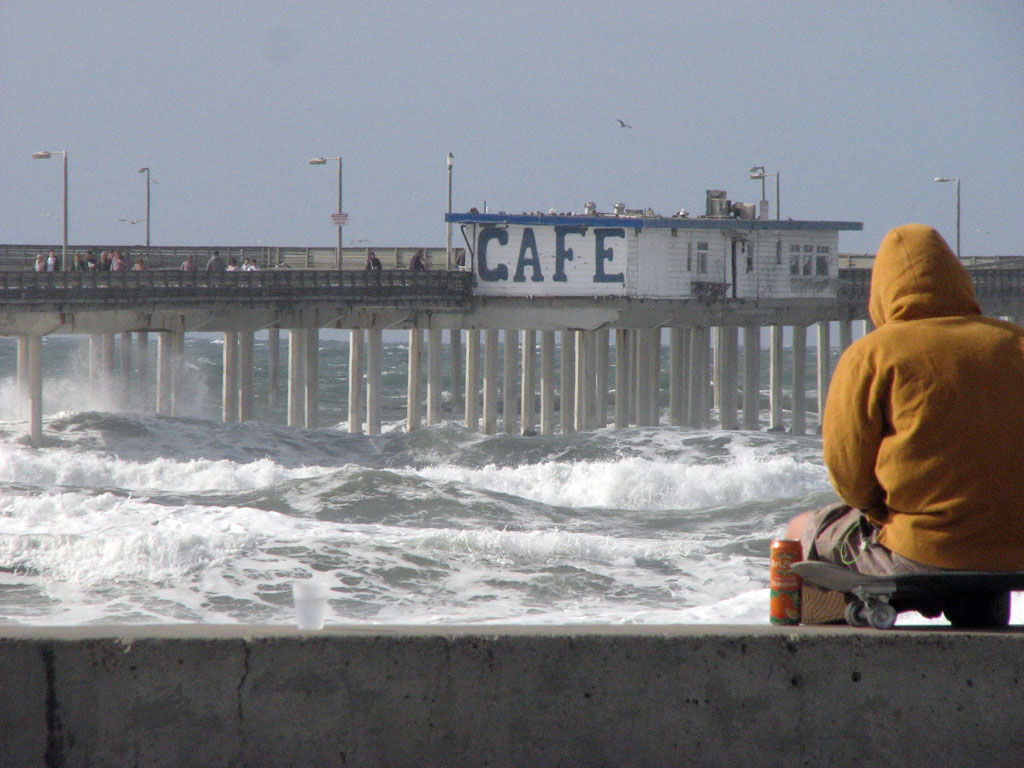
(689, 257)
(778, 251)
(702, 258)
(794, 259)
(808, 259)
(821, 262)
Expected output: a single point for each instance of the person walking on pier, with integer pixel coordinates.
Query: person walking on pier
(189, 264)
(372, 262)
(51, 262)
(216, 263)
(922, 426)
(418, 262)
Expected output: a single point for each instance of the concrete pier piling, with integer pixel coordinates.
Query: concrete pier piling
(415, 387)
(472, 378)
(229, 388)
(509, 395)
(490, 415)
(374, 354)
(433, 375)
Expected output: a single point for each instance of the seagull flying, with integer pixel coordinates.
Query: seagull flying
(622, 123)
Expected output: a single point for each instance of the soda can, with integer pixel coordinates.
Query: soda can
(783, 584)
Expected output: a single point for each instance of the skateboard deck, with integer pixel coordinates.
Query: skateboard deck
(977, 599)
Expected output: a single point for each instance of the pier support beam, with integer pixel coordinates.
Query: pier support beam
(729, 347)
(547, 382)
(296, 377)
(35, 390)
(107, 365)
(678, 383)
(799, 380)
(273, 365)
(24, 383)
(643, 378)
(845, 335)
(775, 363)
(508, 379)
(584, 384)
(355, 380)
(490, 381)
(142, 341)
(698, 408)
(374, 353)
(415, 391)
(246, 344)
(601, 348)
(312, 349)
(229, 381)
(622, 377)
(164, 356)
(433, 375)
(473, 379)
(824, 367)
(751, 377)
(567, 382)
(527, 384)
(177, 373)
(455, 354)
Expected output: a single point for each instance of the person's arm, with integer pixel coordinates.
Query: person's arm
(854, 424)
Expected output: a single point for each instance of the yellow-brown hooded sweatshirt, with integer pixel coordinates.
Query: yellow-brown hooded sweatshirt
(924, 423)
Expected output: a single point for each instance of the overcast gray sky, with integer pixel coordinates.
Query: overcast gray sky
(857, 106)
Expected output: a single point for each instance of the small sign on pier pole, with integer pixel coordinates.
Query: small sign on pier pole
(339, 219)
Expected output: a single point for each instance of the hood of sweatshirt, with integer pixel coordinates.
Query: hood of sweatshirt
(916, 275)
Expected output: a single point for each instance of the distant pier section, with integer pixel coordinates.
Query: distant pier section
(557, 319)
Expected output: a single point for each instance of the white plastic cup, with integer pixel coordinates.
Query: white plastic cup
(310, 604)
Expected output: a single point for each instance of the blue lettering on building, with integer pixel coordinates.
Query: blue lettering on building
(529, 244)
(563, 254)
(603, 254)
(486, 235)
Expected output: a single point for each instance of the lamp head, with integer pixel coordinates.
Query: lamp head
(144, 170)
(318, 161)
(451, 159)
(41, 155)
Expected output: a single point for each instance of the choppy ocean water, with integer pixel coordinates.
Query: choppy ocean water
(127, 517)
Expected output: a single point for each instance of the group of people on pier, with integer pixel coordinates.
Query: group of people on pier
(107, 261)
(216, 263)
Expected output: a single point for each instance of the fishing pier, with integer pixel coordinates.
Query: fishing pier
(594, 291)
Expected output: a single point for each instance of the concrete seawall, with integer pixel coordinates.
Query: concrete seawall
(509, 696)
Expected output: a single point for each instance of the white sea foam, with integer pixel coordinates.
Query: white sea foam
(643, 483)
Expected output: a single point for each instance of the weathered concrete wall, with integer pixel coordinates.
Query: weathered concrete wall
(557, 696)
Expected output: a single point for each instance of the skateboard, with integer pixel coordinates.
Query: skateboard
(969, 599)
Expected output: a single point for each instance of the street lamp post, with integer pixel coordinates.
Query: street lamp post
(451, 160)
(45, 155)
(146, 170)
(957, 180)
(758, 172)
(323, 161)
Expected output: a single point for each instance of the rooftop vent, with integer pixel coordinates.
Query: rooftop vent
(589, 209)
(717, 205)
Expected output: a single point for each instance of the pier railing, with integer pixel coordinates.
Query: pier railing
(156, 287)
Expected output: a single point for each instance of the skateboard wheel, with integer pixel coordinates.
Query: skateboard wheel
(882, 616)
(856, 614)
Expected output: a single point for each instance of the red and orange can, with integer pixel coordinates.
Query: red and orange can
(783, 584)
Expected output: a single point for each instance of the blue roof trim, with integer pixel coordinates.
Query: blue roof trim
(657, 222)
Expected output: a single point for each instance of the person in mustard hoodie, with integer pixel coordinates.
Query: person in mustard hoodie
(923, 430)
